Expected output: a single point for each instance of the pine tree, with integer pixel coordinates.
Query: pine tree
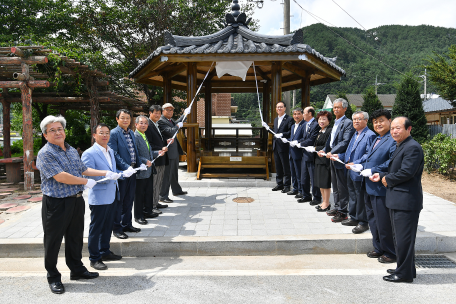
(408, 103)
(371, 103)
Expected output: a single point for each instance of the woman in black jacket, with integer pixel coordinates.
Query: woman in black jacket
(322, 173)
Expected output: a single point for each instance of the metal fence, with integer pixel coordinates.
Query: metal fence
(445, 129)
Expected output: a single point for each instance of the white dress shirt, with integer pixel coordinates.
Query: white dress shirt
(334, 129)
(105, 153)
(279, 121)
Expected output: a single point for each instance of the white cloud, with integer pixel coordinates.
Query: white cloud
(369, 13)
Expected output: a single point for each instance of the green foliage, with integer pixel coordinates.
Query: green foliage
(408, 103)
(17, 147)
(440, 154)
(442, 73)
(371, 103)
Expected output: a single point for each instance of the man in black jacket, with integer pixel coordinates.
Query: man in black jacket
(157, 142)
(282, 130)
(404, 197)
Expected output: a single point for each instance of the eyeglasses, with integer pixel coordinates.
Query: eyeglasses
(103, 134)
(55, 131)
(358, 119)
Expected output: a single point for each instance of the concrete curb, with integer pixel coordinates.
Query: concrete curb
(443, 242)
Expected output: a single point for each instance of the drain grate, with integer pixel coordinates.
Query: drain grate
(243, 200)
(433, 261)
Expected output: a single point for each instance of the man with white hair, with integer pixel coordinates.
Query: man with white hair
(62, 184)
(341, 135)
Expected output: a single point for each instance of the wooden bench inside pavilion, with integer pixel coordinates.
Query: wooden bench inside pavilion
(280, 63)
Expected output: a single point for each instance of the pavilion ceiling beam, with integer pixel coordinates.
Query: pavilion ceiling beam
(313, 61)
(295, 70)
(233, 84)
(163, 69)
(153, 65)
(28, 60)
(31, 84)
(262, 74)
(236, 90)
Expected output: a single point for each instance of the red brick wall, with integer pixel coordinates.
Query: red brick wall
(221, 106)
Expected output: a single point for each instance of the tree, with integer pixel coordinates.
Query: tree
(442, 73)
(408, 103)
(370, 104)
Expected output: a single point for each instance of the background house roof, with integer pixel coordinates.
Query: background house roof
(387, 100)
(437, 105)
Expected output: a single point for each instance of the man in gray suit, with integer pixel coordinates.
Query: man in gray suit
(168, 127)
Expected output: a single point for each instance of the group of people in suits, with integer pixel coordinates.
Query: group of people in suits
(121, 168)
(375, 178)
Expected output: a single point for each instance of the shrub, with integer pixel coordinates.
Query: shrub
(440, 154)
(18, 146)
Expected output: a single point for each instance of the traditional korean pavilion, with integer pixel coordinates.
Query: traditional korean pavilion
(282, 63)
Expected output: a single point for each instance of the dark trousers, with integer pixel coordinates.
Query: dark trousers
(282, 164)
(122, 213)
(143, 197)
(158, 180)
(405, 225)
(339, 186)
(101, 222)
(307, 179)
(63, 217)
(171, 178)
(295, 168)
(356, 205)
(380, 225)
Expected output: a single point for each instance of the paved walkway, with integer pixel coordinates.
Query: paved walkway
(210, 211)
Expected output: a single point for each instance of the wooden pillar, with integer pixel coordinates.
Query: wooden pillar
(94, 105)
(6, 129)
(62, 112)
(276, 90)
(27, 129)
(192, 118)
(266, 113)
(167, 89)
(208, 114)
(305, 94)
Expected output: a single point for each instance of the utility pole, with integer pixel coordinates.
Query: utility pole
(286, 31)
(376, 84)
(425, 83)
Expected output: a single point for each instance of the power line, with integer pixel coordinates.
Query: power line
(350, 15)
(346, 40)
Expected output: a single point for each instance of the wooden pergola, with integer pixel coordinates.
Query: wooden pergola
(282, 63)
(17, 71)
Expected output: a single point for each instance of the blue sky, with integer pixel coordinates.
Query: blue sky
(369, 13)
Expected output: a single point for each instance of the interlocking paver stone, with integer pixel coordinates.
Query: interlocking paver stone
(22, 197)
(17, 209)
(7, 206)
(35, 199)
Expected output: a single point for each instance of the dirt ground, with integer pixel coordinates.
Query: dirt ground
(439, 185)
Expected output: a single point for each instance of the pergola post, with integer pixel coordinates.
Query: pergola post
(27, 129)
(266, 112)
(6, 129)
(192, 118)
(94, 105)
(208, 114)
(305, 93)
(167, 89)
(276, 91)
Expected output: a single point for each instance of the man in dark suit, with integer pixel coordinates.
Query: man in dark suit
(358, 146)
(122, 142)
(157, 142)
(169, 127)
(376, 160)
(296, 153)
(309, 135)
(280, 146)
(404, 197)
(341, 135)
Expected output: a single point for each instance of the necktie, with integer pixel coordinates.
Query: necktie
(307, 127)
(378, 140)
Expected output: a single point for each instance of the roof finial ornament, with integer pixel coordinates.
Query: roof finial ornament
(235, 8)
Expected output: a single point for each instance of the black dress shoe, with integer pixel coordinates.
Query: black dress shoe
(277, 188)
(304, 200)
(395, 279)
(373, 254)
(98, 265)
(166, 200)
(386, 260)
(391, 271)
(314, 203)
(131, 229)
(332, 212)
(360, 229)
(111, 257)
(285, 190)
(299, 195)
(120, 235)
(292, 192)
(181, 193)
(57, 287)
(140, 221)
(150, 215)
(319, 209)
(161, 206)
(85, 275)
(339, 217)
(349, 222)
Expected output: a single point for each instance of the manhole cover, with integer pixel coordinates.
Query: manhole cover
(433, 261)
(243, 200)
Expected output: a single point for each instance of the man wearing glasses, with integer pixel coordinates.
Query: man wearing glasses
(168, 127)
(63, 207)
